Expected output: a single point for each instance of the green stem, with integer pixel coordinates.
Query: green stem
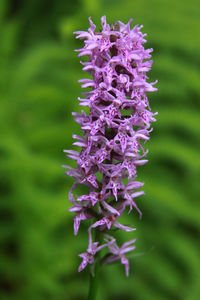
(94, 278)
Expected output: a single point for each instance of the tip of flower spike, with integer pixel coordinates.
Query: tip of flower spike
(130, 21)
(92, 25)
(104, 24)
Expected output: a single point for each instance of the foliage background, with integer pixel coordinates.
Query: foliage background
(38, 91)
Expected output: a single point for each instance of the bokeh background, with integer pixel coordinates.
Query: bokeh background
(38, 91)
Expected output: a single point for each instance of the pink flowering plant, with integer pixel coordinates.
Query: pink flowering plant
(114, 133)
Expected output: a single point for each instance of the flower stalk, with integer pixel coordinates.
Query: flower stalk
(94, 274)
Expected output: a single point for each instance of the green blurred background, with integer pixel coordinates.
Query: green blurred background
(38, 91)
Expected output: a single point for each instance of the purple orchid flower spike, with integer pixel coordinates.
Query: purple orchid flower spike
(115, 132)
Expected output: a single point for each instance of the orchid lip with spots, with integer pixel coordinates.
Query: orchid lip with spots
(114, 134)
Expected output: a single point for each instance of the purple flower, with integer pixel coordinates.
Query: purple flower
(88, 256)
(114, 133)
(118, 252)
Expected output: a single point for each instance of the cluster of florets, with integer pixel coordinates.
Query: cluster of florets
(114, 133)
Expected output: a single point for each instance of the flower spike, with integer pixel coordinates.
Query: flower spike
(114, 133)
